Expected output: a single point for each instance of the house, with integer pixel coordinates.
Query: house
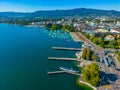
(102, 30)
(115, 30)
(110, 38)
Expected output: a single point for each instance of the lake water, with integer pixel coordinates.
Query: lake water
(24, 60)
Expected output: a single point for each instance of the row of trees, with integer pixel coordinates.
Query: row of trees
(88, 54)
(59, 26)
(91, 74)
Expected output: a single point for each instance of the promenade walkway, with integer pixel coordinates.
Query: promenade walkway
(88, 84)
(75, 37)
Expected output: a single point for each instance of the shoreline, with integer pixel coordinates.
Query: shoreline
(79, 82)
(83, 86)
(94, 88)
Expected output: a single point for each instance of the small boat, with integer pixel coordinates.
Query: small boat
(69, 70)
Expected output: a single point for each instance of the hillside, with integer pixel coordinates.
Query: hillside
(63, 13)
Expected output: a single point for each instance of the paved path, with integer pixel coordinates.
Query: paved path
(88, 84)
(75, 37)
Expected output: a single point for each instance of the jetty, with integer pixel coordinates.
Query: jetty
(62, 58)
(73, 73)
(66, 48)
(55, 72)
(64, 71)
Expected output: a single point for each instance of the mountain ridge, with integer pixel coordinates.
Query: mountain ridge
(83, 12)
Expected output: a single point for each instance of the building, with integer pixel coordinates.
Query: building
(115, 30)
(110, 38)
(101, 30)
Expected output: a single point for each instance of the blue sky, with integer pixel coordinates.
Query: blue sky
(34, 5)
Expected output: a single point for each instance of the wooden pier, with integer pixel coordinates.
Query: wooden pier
(62, 58)
(56, 72)
(65, 48)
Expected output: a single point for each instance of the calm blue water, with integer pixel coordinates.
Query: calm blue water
(23, 59)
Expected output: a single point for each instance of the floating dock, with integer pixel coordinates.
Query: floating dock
(65, 48)
(62, 58)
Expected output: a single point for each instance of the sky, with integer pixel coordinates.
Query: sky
(35, 5)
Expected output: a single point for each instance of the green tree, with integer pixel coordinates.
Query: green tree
(88, 54)
(118, 43)
(87, 35)
(91, 38)
(97, 20)
(72, 29)
(54, 27)
(112, 44)
(91, 74)
(94, 56)
(48, 25)
(64, 27)
(95, 41)
(84, 53)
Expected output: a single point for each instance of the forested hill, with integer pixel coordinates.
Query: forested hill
(63, 13)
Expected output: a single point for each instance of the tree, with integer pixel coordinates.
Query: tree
(92, 38)
(118, 43)
(97, 20)
(91, 74)
(112, 44)
(87, 35)
(84, 53)
(49, 25)
(72, 29)
(88, 54)
(64, 27)
(54, 27)
(94, 56)
(95, 41)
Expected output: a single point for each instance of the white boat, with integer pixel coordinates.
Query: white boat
(68, 70)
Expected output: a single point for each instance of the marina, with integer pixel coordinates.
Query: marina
(63, 69)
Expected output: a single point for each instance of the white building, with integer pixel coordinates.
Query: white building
(113, 30)
(110, 38)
